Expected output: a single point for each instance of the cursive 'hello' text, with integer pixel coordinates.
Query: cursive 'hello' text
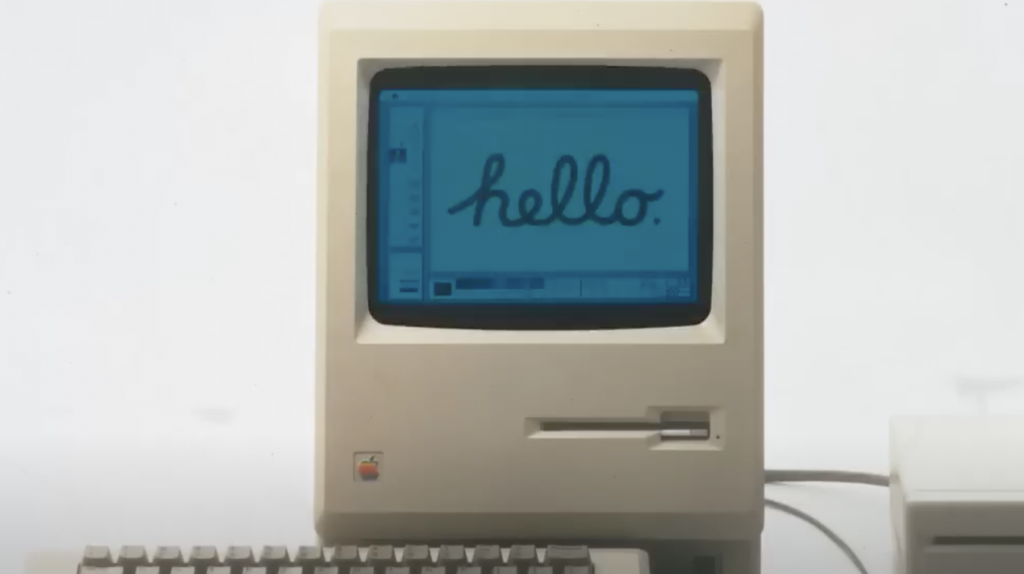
(531, 202)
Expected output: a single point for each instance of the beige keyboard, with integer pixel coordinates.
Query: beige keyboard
(381, 559)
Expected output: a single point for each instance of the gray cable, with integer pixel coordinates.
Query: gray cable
(830, 476)
(796, 512)
(834, 476)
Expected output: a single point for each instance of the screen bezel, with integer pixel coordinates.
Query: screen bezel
(545, 316)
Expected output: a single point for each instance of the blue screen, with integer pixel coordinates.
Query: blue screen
(537, 196)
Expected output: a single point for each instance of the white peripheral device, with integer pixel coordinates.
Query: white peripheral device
(958, 495)
(539, 294)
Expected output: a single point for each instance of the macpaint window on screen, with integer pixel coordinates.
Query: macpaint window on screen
(527, 198)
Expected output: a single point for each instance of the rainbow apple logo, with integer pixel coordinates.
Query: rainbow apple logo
(368, 469)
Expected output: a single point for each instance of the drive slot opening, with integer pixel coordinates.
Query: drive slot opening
(670, 427)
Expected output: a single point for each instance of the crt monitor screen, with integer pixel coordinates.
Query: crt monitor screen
(539, 197)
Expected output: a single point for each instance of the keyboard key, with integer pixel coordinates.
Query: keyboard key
(183, 570)
(254, 570)
(433, 570)
(274, 555)
(238, 557)
(204, 554)
(97, 556)
(130, 556)
(202, 558)
(451, 557)
(328, 570)
(144, 570)
(505, 570)
(416, 556)
(168, 554)
(362, 570)
(540, 570)
(273, 558)
(587, 569)
(345, 557)
(470, 570)
(309, 557)
(380, 556)
(219, 570)
(167, 557)
(291, 570)
(567, 556)
(487, 556)
(522, 555)
(101, 570)
(398, 570)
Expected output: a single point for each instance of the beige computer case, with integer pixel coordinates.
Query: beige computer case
(447, 414)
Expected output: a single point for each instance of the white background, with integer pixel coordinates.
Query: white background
(157, 257)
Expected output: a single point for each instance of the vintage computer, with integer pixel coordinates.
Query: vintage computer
(539, 294)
